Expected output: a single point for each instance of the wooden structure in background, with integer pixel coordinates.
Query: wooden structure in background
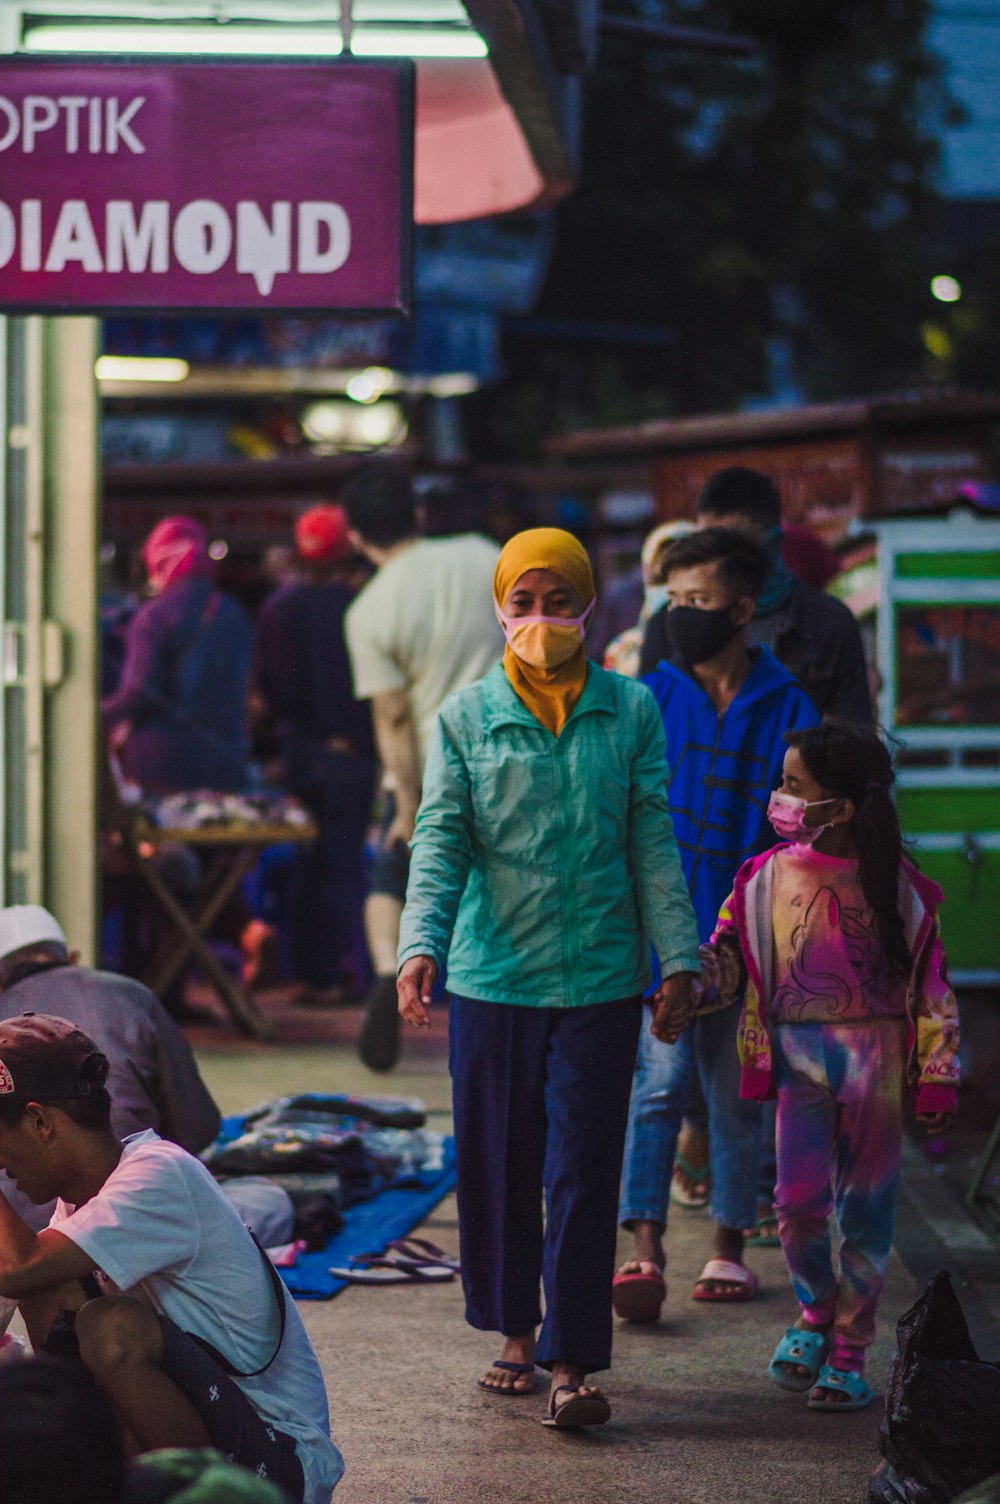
(834, 463)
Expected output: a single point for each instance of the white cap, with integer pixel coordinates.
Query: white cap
(27, 924)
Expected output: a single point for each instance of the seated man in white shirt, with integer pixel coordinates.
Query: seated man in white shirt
(191, 1334)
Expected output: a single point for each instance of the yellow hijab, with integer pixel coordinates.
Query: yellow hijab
(550, 694)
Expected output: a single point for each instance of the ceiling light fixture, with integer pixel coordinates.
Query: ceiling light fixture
(140, 368)
(262, 41)
(426, 41)
(371, 384)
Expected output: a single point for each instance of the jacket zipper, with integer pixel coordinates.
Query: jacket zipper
(566, 883)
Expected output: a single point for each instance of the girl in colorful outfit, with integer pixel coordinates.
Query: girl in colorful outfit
(846, 1000)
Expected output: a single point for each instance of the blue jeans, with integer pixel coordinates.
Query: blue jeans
(663, 1075)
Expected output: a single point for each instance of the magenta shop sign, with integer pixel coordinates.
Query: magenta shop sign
(182, 186)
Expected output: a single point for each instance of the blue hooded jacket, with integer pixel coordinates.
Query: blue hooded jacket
(723, 769)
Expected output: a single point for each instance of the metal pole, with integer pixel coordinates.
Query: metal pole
(33, 857)
(4, 751)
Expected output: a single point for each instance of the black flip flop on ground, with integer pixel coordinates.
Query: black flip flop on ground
(369, 1269)
(580, 1410)
(423, 1251)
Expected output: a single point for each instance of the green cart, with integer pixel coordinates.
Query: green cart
(939, 658)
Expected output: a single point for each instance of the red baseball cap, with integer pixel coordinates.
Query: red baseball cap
(46, 1059)
(321, 534)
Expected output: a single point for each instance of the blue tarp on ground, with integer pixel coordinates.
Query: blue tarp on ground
(368, 1227)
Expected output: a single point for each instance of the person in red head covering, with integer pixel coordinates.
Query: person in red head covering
(176, 550)
(178, 716)
(302, 683)
(321, 535)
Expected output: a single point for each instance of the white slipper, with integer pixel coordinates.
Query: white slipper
(723, 1271)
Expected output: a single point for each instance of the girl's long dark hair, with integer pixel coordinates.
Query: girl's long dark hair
(852, 762)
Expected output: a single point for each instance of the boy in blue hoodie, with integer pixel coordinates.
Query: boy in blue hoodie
(725, 709)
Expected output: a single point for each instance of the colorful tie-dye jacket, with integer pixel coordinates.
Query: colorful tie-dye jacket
(931, 1012)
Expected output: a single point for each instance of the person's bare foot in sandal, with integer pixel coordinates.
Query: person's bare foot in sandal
(821, 1395)
(519, 1352)
(691, 1164)
(649, 1255)
(799, 1370)
(638, 1289)
(588, 1406)
(841, 1358)
(727, 1244)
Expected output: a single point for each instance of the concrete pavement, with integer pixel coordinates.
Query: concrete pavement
(695, 1417)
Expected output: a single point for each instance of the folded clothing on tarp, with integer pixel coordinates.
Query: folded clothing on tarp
(381, 1112)
(417, 1171)
(280, 1208)
(347, 1136)
(370, 1227)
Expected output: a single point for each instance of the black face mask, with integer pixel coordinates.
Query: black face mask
(698, 635)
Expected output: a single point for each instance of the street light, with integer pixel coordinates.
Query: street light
(946, 289)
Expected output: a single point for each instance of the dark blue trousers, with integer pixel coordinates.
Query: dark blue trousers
(541, 1103)
(329, 883)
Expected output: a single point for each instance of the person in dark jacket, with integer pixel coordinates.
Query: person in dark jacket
(302, 677)
(178, 716)
(152, 1076)
(812, 634)
(725, 709)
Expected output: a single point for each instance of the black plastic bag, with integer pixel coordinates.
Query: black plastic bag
(941, 1432)
(987, 1492)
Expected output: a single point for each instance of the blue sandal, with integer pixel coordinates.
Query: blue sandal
(805, 1350)
(838, 1381)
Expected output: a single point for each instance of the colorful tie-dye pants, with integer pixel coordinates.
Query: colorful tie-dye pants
(840, 1093)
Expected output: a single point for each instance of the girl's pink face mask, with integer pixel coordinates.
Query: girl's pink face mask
(544, 641)
(788, 817)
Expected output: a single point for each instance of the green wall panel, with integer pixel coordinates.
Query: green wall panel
(969, 926)
(966, 811)
(984, 564)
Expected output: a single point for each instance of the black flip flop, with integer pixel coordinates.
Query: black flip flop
(422, 1251)
(581, 1410)
(368, 1269)
(509, 1368)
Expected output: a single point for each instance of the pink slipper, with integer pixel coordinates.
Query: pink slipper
(637, 1295)
(722, 1270)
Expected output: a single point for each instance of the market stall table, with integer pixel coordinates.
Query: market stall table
(234, 846)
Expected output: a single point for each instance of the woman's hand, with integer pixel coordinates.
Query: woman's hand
(672, 1007)
(936, 1122)
(413, 988)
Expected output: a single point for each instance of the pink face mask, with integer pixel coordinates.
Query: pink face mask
(544, 641)
(788, 815)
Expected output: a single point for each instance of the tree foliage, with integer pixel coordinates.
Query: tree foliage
(775, 210)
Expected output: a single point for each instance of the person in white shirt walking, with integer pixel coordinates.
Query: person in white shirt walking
(148, 1273)
(423, 626)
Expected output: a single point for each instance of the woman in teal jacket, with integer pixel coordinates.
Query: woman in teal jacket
(544, 864)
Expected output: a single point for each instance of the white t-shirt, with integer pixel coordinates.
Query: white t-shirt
(425, 623)
(161, 1231)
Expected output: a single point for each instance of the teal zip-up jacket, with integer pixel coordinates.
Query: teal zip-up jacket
(543, 866)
